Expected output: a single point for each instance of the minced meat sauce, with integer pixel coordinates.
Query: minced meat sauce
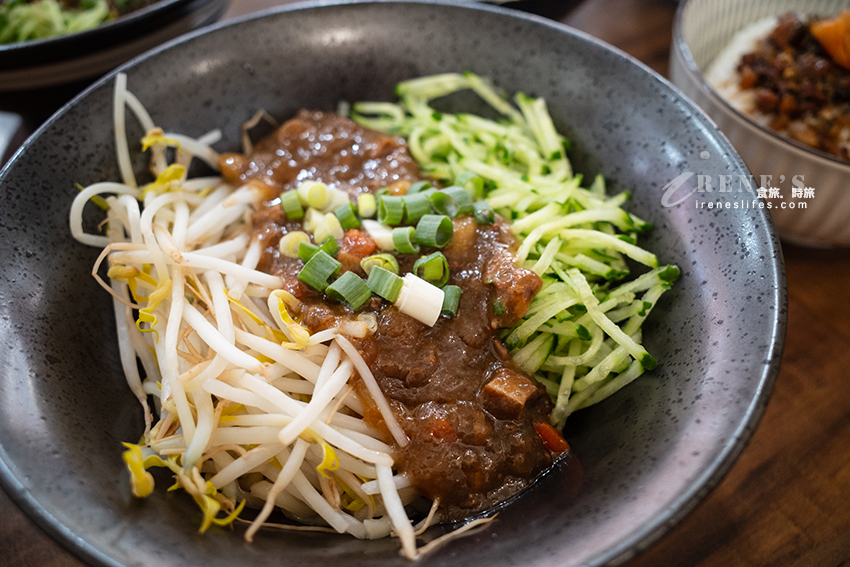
(467, 410)
(800, 85)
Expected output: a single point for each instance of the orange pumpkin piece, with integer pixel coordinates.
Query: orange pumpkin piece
(834, 36)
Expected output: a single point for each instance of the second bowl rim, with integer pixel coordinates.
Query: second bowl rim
(681, 45)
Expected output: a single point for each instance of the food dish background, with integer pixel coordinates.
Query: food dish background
(30, 67)
(701, 29)
(781, 504)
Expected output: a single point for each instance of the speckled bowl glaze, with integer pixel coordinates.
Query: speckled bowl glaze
(701, 30)
(645, 457)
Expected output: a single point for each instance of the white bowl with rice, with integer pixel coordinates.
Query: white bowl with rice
(809, 200)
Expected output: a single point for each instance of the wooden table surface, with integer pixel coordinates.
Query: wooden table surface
(785, 501)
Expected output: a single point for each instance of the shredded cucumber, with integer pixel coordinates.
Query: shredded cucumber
(24, 21)
(581, 337)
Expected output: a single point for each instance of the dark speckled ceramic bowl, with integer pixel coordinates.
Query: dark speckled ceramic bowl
(41, 63)
(645, 457)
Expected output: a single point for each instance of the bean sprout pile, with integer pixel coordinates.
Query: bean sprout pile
(253, 408)
(256, 411)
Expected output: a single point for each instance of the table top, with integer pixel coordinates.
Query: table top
(784, 502)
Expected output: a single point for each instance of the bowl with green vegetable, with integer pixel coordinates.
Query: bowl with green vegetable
(379, 282)
(51, 42)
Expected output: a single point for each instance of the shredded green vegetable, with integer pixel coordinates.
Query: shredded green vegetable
(581, 337)
(256, 409)
(25, 21)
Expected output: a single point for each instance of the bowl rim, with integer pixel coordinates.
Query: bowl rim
(642, 536)
(20, 54)
(684, 50)
(79, 66)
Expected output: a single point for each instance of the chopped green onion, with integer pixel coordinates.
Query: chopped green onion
(483, 213)
(404, 240)
(434, 230)
(461, 197)
(318, 270)
(347, 216)
(417, 187)
(312, 218)
(451, 201)
(351, 289)
(472, 183)
(451, 300)
(307, 250)
(382, 235)
(420, 300)
(390, 210)
(331, 246)
(291, 205)
(384, 283)
(444, 204)
(415, 207)
(433, 268)
(385, 261)
(327, 227)
(336, 199)
(291, 242)
(498, 308)
(366, 205)
(313, 194)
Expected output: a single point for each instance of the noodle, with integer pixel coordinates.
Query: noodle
(254, 409)
(223, 381)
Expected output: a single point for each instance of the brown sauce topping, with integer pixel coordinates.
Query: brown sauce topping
(317, 146)
(468, 411)
(800, 86)
(323, 147)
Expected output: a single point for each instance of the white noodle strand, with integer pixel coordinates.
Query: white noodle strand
(375, 390)
(203, 431)
(118, 117)
(80, 200)
(395, 510)
(220, 380)
(219, 343)
(290, 469)
(321, 398)
(171, 369)
(290, 359)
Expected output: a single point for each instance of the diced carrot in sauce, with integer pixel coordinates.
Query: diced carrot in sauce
(354, 247)
(441, 430)
(358, 244)
(399, 187)
(552, 438)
